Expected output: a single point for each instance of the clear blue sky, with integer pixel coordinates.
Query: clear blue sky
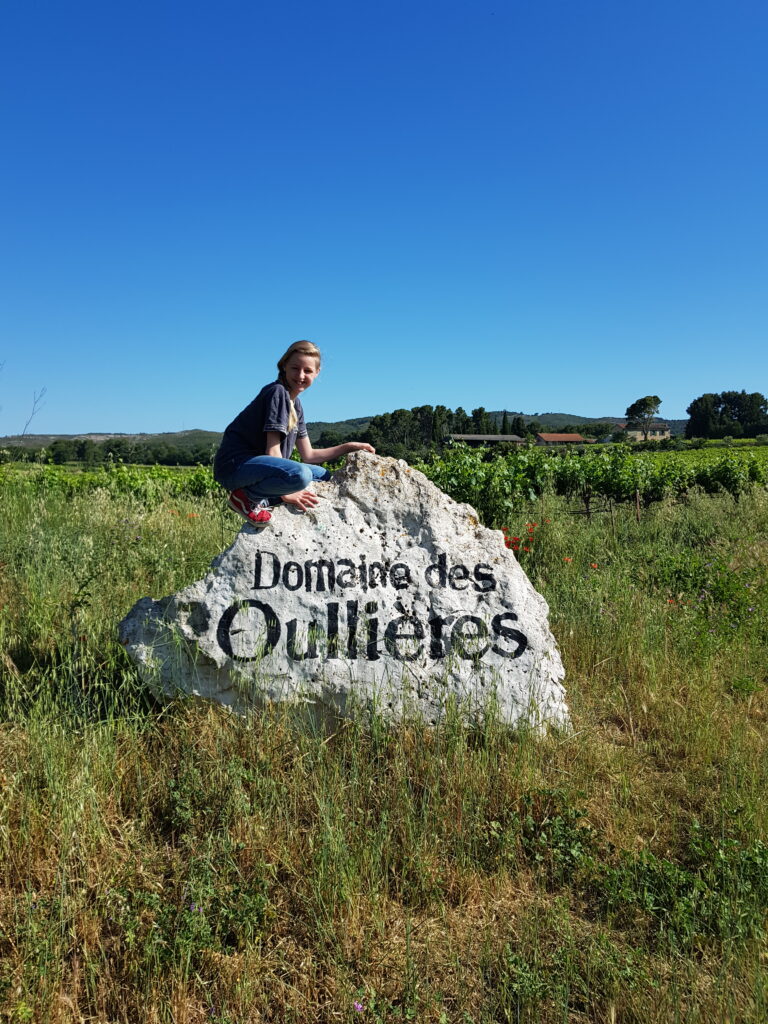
(538, 206)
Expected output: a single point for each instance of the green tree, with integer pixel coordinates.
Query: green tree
(329, 439)
(424, 417)
(482, 422)
(641, 414)
(62, 451)
(461, 422)
(727, 414)
(441, 421)
(89, 452)
(597, 429)
(118, 449)
(703, 416)
(748, 410)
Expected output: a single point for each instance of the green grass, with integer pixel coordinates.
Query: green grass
(177, 864)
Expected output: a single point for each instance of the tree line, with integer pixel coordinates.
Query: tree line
(97, 453)
(413, 434)
(405, 433)
(728, 414)
(711, 416)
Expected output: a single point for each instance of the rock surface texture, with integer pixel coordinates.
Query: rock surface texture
(388, 595)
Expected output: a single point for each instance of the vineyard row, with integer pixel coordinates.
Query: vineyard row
(493, 485)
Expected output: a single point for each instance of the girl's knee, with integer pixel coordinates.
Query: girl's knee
(303, 476)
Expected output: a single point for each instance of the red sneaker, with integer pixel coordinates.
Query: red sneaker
(254, 512)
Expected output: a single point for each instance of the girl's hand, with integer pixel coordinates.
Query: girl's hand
(360, 446)
(304, 500)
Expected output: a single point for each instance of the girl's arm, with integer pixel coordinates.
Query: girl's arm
(314, 456)
(273, 444)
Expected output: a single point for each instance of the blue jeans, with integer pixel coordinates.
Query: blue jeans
(265, 476)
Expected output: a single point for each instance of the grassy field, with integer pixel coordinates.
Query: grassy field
(176, 864)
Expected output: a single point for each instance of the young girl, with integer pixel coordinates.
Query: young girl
(254, 459)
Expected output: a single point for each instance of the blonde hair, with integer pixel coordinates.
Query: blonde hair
(303, 348)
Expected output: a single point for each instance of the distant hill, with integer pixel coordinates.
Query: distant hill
(177, 439)
(352, 427)
(342, 427)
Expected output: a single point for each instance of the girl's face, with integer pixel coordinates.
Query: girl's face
(300, 371)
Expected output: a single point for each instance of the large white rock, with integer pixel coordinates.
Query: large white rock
(388, 595)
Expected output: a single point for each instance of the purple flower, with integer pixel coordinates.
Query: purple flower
(357, 1007)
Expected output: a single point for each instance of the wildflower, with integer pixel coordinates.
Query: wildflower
(193, 515)
(567, 559)
(526, 549)
(593, 564)
(515, 540)
(547, 520)
(357, 1007)
(670, 600)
